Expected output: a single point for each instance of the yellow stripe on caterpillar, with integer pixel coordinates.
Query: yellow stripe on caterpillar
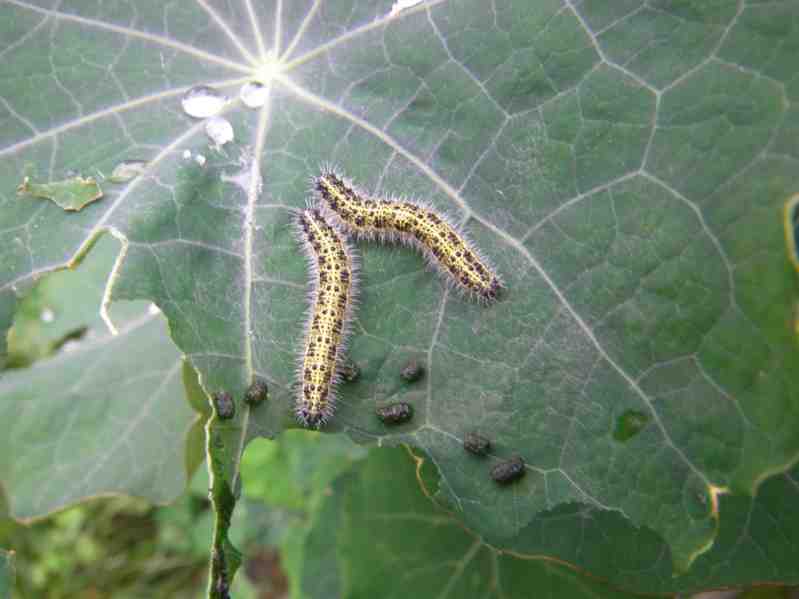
(334, 270)
(445, 248)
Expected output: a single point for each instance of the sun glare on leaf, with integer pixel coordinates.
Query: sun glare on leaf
(269, 68)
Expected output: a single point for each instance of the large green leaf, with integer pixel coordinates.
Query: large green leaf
(107, 414)
(622, 163)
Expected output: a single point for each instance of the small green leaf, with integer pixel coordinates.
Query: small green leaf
(70, 194)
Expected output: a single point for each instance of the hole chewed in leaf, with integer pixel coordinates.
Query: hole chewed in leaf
(629, 425)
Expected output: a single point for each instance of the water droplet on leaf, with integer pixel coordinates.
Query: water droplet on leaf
(153, 309)
(200, 159)
(202, 101)
(47, 315)
(187, 154)
(219, 130)
(254, 94)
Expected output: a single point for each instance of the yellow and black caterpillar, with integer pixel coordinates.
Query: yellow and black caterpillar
(334, 269)
(446, 248)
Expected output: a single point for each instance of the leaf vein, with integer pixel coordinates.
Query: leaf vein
(157, 39)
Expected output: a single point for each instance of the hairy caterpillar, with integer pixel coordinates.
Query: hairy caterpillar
(445, 248)
(332, 263)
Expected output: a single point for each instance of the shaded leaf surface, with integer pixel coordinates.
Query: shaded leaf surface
(367, 529)
(757, 543)
(106, 414)
(624, 165)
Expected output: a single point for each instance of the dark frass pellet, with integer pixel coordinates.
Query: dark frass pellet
(256, 393)
(395, 413)
(224, 406)
(350, 372)
(476, 443)
(508, 471)
(412, 371)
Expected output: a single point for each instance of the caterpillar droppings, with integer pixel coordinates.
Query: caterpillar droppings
(508, 471)
(332, 264)
(476, 443)
(445, 248)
